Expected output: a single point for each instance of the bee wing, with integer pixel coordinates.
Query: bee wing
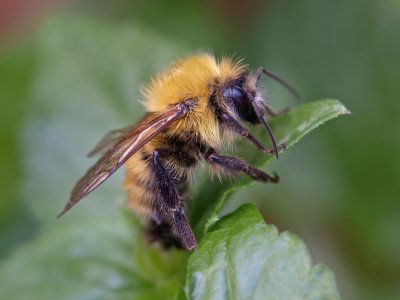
(112, 137)
(123, 148)
(108, 141)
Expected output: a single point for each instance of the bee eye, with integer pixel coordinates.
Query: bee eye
(236, 97)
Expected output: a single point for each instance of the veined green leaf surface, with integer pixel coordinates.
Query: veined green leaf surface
(241, 257)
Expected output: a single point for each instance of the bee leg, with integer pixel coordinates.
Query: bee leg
(237, 165)
(234, 125)
(170, 203)
(181, 225)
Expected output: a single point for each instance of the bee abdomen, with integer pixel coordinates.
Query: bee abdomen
(179, 156)
(138, 184)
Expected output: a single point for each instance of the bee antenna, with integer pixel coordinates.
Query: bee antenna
(283, 82)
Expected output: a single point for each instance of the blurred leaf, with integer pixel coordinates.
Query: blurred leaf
(88, 260)
(92, 260)
(288, 128)
(16, 75)
(243, 258)
(16, 68)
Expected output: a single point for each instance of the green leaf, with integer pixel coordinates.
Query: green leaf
(243, 258)
(89, 260)
(288, 128)
(93, 259)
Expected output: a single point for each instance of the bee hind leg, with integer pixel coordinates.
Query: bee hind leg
(170, 203)
(232, 164)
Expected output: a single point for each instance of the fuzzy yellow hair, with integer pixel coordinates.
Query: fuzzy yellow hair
(192, 78)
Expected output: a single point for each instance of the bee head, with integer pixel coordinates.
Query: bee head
(239, 101)
(243, 99)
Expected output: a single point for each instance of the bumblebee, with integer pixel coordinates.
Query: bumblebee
(194, 107)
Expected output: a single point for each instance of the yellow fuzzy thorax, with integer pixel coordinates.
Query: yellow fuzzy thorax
(192, 78)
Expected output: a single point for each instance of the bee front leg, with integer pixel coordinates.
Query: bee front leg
(235, 126)
(170, 203)
(236, 165)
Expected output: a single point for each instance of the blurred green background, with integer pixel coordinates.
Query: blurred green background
(340, 188)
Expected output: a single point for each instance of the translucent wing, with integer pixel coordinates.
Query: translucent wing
(118, 153)
(112, 137)
(108, 141)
